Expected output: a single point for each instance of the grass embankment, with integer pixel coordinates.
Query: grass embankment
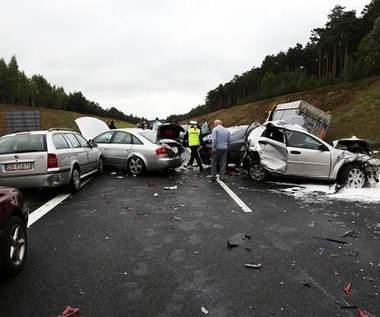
(354, 106)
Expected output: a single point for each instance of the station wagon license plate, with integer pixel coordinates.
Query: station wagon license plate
(19, 166)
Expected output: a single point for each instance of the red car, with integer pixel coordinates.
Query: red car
(13, 222)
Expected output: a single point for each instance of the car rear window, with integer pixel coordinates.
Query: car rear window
(22, 143)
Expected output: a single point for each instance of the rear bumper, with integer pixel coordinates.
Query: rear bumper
(41, 180)
(168, 162)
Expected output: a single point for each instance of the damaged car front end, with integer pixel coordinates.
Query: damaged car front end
(281, 149)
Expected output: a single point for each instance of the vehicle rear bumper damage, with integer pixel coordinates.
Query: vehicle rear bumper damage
(45, 180)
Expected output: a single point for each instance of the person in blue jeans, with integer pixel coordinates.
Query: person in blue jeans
(220, 141)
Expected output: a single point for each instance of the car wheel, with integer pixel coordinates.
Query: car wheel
(136, 165)
(100, 166)
(75, 180)
(256, 172)
(13, 246)
(352, 176)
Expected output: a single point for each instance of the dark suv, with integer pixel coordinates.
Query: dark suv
(13, 222)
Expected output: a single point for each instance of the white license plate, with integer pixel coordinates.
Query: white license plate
(19, 167)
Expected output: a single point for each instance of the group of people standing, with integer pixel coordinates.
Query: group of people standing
(220, 137)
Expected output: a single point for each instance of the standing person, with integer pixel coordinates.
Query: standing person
(111, 124)
(156, 124)
(220, 141)
(204, 127)
(194, 138)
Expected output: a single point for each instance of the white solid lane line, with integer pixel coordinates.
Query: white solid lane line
(44, 209)
(233, 196)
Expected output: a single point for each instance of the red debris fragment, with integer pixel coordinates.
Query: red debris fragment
(69, 311)
(361, 313)
(347, 288)
(150, 184)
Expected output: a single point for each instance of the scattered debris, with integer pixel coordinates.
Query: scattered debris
(231, 244)
(119, 177)
(369, 278)
(247, 236)
(306, 282)
(351, 233)
(150, 184)
(253, 265)
(113, 173)
(69, 311)
(204, 310)
(155, 195)
(353, 253)
(170, 187)
(361, 313)
(345, 302)
(248, 248)
(347, 288)
(332, 240)
(237, 240)
(177, 218)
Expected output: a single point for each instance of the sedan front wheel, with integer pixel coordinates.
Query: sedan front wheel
(256, 172)
(352, 176)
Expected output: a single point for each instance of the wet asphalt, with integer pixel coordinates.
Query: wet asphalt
(126, 246)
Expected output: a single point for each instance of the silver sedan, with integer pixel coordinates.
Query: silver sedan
(133, 149)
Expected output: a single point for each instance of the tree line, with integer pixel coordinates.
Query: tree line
(346, 48)
(18, 89)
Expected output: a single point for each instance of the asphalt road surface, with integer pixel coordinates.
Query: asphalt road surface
(126, 246)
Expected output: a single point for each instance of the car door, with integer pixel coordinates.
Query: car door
(307, 156)
(77, 153)
(92, 153)
(273, 152)
(115, 146)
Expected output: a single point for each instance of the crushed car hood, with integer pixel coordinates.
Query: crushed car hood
(91, 127)
(354, 144)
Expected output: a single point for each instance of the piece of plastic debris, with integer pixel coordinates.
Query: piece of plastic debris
(347, 288)
(247, 236)
(119, 177)
(253, 265)
(248, 248)
(353, 253)
(306, 283)
(329, 239)
(155, 195)
(361, 313)
(231, 244)
(204, 310)
(345, 302)
(351, 233)
(177, 218)
(170, 187)
(69, 311)
(113, 173)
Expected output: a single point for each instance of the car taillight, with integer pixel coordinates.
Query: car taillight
(161, 150)
(52, 161)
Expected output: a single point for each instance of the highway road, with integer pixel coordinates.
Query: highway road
(177, 244)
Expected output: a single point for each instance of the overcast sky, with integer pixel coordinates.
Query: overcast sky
(153, 57)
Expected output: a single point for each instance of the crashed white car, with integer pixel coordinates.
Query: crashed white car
(133, 149)
(282, 149)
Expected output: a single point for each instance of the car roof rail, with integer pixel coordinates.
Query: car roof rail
(60, 129)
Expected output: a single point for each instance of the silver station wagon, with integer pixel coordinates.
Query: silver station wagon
(49, 158)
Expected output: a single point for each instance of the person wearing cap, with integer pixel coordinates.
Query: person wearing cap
(194, 138)
(220, 141)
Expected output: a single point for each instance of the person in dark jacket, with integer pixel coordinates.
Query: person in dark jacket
(194, 138)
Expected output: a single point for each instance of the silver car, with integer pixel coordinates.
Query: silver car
(133, 149)
(47, 158)
(289, 150)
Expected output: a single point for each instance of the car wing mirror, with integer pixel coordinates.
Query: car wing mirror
(93, 143)
(323, 148)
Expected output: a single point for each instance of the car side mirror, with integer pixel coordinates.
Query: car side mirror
(93, 143)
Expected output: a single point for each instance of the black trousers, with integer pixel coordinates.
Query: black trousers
(195, 155)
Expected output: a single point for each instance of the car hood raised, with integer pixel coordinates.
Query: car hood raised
(91, 127)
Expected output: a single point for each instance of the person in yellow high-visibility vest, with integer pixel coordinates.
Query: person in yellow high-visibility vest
(194, 138)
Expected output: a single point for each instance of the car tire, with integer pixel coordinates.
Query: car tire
(13, 246)
(352, 176)
(136, 165)
(256, 172)
(75, 180)
(100, 166)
